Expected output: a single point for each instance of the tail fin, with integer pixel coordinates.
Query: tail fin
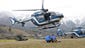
(13, 20)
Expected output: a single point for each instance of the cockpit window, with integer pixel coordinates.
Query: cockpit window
(40, 18)
(54, 15)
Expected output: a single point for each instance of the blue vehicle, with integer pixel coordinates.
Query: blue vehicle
(41, 17)
(77, 33)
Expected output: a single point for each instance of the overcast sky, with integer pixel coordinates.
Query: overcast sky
(72, 9)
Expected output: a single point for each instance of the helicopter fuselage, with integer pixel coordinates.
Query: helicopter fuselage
(39, 19)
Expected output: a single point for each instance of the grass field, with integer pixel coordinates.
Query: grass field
(34, 43)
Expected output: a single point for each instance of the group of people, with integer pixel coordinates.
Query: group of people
(53, 38)
(50, 38)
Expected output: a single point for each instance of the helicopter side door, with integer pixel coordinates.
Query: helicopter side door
(38, 18)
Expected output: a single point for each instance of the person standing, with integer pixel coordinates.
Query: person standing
(60, 34)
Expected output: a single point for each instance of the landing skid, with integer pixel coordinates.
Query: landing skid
(49, 26)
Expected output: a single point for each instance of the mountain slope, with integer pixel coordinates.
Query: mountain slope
(7, 31)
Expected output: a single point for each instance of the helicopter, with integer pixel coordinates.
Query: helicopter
(42, 17)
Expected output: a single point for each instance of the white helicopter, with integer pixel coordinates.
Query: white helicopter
(41, 18)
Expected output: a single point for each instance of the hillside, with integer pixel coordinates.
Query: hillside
(8, 31)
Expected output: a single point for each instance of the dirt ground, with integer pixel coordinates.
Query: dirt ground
(34, 43)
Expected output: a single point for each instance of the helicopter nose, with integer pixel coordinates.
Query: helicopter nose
(61, 16)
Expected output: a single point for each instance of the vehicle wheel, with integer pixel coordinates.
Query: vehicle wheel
(73, 36)
(18, 38)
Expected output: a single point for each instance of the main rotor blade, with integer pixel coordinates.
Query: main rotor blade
(27, 10)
